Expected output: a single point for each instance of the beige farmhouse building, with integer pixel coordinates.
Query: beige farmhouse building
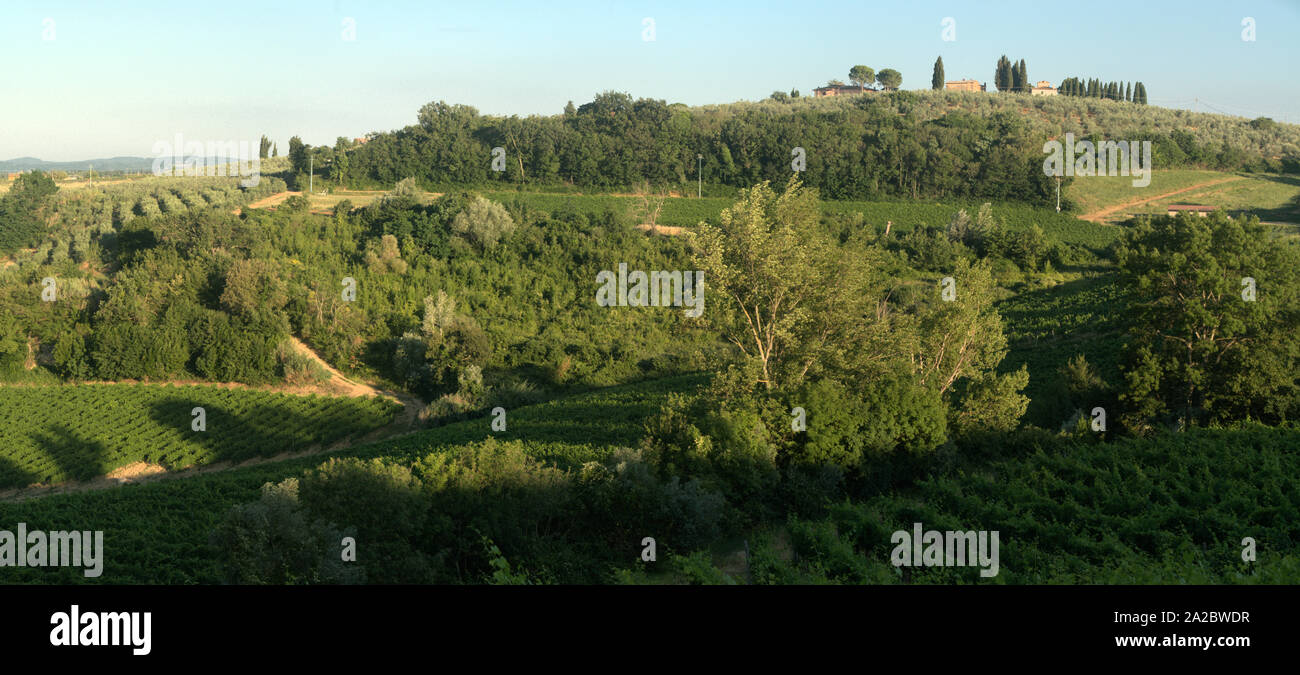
(963, 85)
(841, 90)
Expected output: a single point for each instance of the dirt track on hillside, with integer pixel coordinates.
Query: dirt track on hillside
(273, 200)
(1099, 216)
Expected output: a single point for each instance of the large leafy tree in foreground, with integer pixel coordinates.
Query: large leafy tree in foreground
(779, 288)
(1215, 319)
(800, 306)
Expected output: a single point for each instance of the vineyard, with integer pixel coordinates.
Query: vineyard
(1047, 327)
(158, 531)
(56, 434)
(1063, 228)
(1165, 510)
(1058, 227)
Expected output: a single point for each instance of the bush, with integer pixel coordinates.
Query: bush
(483, 223)
(846, 428)
(272, 541)
(384, 503)
(70, 359)
(298, 369)
(297, 204)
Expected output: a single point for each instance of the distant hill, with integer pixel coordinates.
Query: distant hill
(108, 164)
(916, 145)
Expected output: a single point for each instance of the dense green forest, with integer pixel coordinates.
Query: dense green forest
(914, 145)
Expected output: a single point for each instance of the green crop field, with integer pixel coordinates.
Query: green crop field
(1047, 327)
(1164, 510)
(77, 432)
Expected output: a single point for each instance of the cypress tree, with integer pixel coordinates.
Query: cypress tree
(1128, 91)
(1023, 72)
(936, 80)
(1002, 78)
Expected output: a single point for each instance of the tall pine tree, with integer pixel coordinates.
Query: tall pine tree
(936, 80)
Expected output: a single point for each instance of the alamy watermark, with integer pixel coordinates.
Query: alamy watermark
(58, 548)
(75, 628)
(953, 548)
(215, 158)
(1108, 158)
(659, 288)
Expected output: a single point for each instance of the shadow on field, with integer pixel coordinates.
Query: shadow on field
(77, 458)
(1039, 309)
(11, 475)
(269, 429)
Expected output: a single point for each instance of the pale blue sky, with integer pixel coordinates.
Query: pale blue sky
(118, 76)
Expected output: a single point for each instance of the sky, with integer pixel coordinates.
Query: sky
(82, 80)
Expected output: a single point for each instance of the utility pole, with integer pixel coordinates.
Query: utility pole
(699, 193)
(92, 175)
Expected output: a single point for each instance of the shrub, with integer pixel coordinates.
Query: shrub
(847, 428)
(483, 223)
(272, 541)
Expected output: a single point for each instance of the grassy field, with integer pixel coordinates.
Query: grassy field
(1274, 198)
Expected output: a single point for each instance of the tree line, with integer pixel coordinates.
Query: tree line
(1133, 92)
(861, 151)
